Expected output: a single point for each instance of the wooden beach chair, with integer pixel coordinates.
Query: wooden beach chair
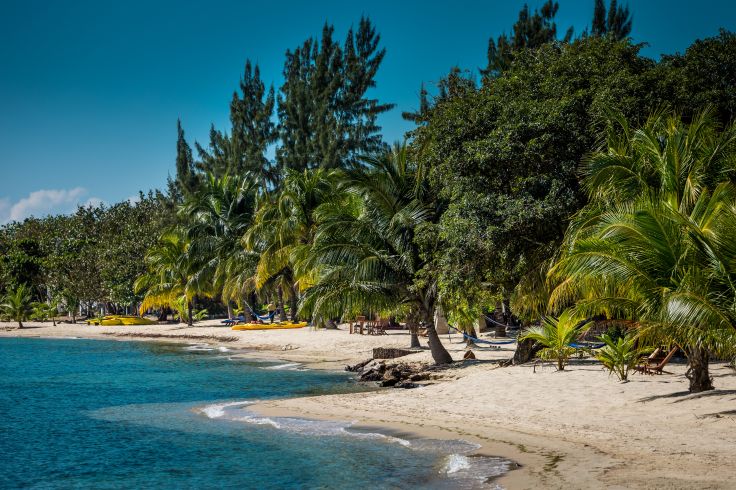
(649, 367)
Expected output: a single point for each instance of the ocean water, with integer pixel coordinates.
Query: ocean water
(103, 414)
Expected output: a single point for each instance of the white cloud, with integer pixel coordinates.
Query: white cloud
(43, 202)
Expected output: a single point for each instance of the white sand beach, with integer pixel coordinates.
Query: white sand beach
(580, 428)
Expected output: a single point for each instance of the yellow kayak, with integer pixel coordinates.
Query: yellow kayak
(120, 320)
(269, 326)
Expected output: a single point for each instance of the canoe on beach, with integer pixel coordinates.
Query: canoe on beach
(269, 326)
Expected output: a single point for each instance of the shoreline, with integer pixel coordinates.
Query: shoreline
(574, 429)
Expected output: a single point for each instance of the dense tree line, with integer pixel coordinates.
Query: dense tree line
(89, 258)
(496, 198)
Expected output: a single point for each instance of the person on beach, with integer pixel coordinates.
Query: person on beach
(271, 311)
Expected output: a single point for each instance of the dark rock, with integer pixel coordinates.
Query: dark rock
(357, 367)
(405, 384)
(388, 382)
(419, 377)
(390, 352)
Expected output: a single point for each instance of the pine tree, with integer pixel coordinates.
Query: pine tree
(599, 19)
(424, 106)
(252, 128)
(325, 118)
(618, 23)
(529, 32)
(186, 177)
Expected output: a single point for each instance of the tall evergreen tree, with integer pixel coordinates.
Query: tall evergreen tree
(599, 19)
(325, 118)
(616, 25)
(243, 150)
(530, 31)
(252, 128)
(186, 177)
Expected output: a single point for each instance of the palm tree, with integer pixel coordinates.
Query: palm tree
(557, 335)
(217, 216)
(655, 244)
(18, 304)
(365, 252)
(170, 267)
(284, 228)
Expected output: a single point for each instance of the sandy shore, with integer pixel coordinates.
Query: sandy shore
(574, 429)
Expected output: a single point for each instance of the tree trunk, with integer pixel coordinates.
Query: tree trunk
(190, 321)
(468, 341)
(20, 324)
(439, 353)
(293, 306)
(698, 374)
(229, 309)
(280, 305)
(414, 337)
(525, 351)
(164, 314)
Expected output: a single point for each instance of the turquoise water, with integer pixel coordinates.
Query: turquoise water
(102, 414)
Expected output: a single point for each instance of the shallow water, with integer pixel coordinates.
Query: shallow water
(106, 414)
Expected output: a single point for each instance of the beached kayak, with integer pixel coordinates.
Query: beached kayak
(269, 326)
(121, 320)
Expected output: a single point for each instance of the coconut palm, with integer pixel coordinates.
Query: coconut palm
(556, 336)
(18, 304)
(170, 268)
(216, 216)
(365, 250)
(283, 231)
(620, 355)
(655, 245)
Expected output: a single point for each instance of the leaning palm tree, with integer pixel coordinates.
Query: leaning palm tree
(365, 252)
(655, 244)
(284, 229)
(217, 216)
(18, 304)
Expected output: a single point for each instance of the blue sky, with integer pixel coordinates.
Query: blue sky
(90, 91)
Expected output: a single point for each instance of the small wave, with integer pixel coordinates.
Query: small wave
(455, 463)
(290, 366)
(223, 349)
(199, 347)
(217, 410)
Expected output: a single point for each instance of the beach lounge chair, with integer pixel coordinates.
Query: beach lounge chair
(649, 367)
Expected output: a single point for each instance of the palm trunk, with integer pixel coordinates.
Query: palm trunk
(293, 305)
(439, 353)
(471, 333)
(20, 324)
(698, 374)
(414, 329)
(280, 305)
(190, 322)
(229, 309)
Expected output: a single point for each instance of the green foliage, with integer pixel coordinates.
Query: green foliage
(505, 157)
(18, 304)
(42, 311)
(325, 118)
(556, 335)
(620, 355)
(199, 315)
(654, 245)
(529, 32)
